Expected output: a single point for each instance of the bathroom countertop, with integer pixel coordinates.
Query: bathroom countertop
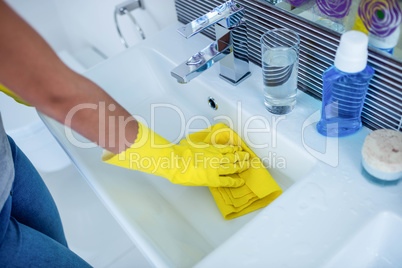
(335, 217)
(331, 214)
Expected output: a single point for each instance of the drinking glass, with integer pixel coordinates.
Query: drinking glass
(280, 61)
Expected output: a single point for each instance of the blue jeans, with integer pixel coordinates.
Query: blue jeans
(31, 233)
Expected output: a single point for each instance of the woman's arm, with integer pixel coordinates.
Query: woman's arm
(30, 68)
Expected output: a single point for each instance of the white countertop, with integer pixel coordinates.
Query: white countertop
(332, 213)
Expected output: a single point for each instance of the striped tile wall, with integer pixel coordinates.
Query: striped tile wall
(383, 105)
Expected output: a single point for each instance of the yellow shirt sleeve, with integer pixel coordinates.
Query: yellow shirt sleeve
(13, 95)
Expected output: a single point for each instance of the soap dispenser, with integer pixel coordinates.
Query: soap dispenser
(345, 85)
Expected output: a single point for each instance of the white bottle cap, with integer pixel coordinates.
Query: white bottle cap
(351, 55)
(385, 42)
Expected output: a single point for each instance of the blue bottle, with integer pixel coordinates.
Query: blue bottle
(345, 85)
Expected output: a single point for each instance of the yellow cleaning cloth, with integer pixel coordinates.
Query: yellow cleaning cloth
(259, 189)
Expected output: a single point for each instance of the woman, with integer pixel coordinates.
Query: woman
(31, 233)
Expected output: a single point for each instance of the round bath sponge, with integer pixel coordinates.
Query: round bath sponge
(382, 154)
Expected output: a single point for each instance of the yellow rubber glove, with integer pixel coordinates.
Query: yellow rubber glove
(195, 164)
(13, 95)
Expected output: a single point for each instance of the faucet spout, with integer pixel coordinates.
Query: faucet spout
(200, 62)
(230, 47)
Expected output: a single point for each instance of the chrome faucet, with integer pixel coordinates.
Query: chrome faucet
(230, 47)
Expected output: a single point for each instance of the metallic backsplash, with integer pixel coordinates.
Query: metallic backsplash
(383, 105)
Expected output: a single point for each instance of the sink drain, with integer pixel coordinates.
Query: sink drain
(212, 103)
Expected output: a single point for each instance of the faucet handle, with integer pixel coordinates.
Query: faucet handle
(228, 14)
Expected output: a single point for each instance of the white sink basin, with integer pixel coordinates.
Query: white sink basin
(376, 244)
(179, 226)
